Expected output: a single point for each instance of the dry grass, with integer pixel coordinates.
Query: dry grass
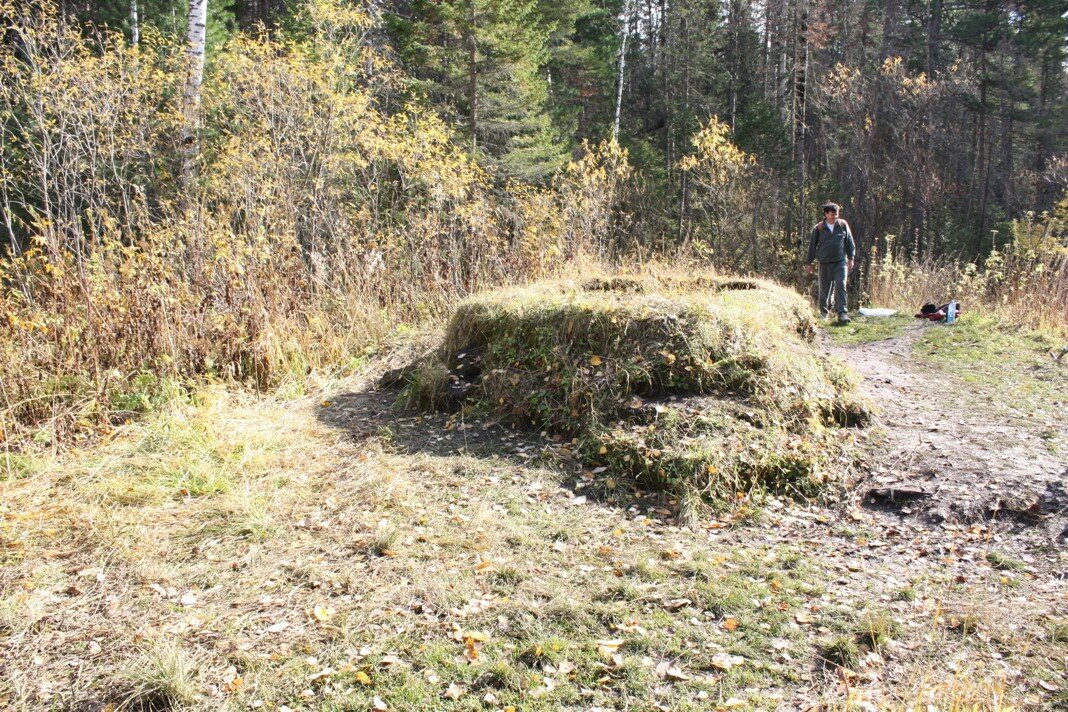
(327, 572)
(1018, 286)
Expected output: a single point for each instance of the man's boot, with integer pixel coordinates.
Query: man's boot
(843, 318)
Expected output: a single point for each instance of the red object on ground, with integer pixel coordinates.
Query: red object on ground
(939, 315)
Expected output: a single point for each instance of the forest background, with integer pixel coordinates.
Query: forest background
(264, 190)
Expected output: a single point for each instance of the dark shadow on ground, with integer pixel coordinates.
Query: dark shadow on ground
(1043, 512)
(374, 414)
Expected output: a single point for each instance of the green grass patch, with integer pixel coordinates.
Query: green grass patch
(1004, 562)
(865, 329)
(20, 465)
(1058, 631)
(875, 629)
(1007, 361)
(841, 651)
(698, 384)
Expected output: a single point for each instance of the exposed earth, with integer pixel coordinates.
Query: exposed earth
(948, 457)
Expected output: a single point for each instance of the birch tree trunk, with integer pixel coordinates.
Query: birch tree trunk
(135, 25)
(622, 67)
(197, 34)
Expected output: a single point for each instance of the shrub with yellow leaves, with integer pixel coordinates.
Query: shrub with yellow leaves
(324, 211)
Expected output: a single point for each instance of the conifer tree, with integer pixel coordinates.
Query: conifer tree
(487, 61)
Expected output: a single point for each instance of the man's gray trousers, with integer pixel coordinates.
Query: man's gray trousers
(833, 287)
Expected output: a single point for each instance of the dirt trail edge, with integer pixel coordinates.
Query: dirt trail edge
(945, 459)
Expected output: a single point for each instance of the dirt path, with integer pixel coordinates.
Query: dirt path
(945, 458)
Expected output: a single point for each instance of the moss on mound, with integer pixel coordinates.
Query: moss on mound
(704, 383)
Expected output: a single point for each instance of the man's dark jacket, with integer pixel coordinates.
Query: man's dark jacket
(830, 246)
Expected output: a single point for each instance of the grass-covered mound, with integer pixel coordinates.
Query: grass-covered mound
(698, 384)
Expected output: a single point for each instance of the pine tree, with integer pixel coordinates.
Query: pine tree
(486, 62)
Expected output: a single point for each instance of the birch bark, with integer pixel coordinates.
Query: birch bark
(196, 37)
(622, 67)
(135, 24)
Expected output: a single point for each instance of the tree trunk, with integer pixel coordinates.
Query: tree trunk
(779, 57)
(799, 117)
(733, 22)
(684, 217)
(135, 25)
(934, 36)
(196, 37)
(472, 72)
(622, 67)
(666, 68)
(889, 27)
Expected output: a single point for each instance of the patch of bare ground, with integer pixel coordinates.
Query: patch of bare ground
(955, 453)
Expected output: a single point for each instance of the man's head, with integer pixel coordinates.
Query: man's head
(830, 211)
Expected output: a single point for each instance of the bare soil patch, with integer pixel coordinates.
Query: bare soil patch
(945, 456)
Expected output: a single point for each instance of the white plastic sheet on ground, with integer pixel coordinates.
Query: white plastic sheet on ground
(865, 311)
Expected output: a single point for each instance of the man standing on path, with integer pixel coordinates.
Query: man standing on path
(832, 245)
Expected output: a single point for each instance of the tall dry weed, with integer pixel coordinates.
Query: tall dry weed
(326, 213)
(1025, 282)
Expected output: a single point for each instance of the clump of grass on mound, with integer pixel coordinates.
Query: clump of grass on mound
(706, 384)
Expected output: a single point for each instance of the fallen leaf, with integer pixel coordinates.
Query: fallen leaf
(595, 361)
(379, 705)
(669, 672)
(725, 661)
(730, 624)
(607, 648)
(804, 617)
(363, 678)
(322, 613)
(677, 603)
(455, 692)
